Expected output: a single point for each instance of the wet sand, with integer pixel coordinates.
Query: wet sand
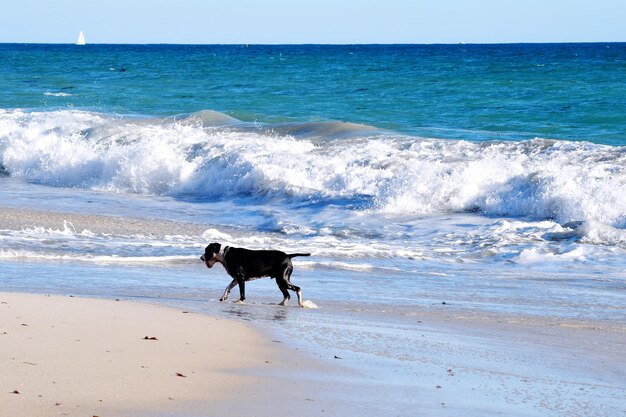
(19, 218)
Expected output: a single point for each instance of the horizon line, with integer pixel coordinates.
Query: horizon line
(319, 44)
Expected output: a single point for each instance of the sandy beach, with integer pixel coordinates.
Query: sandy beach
(68, 356)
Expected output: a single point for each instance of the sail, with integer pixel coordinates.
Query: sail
(81, 39)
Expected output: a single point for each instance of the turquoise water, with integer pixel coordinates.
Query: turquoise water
(474, 92)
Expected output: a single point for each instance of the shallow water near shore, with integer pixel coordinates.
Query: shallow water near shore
(469, 262)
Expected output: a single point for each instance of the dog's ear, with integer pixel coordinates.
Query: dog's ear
(214, 247)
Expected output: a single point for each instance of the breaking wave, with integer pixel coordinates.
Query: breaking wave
(212, 156)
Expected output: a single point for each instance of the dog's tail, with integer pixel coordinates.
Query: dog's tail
(293, 255)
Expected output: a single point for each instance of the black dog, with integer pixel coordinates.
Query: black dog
(245, 265)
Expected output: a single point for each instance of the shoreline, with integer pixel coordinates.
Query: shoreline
(17, 218)
(349, 358)
(458, 365)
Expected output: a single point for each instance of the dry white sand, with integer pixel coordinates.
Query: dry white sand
(67, 356)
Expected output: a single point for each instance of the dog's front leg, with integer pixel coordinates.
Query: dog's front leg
(227, 290)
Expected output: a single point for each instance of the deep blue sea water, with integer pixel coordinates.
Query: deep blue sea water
(475, 92)
(491, 177)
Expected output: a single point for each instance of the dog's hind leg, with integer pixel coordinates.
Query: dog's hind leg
(298, 293)
(227, 290)
(286, 279)
(242, 289)
(282, 285)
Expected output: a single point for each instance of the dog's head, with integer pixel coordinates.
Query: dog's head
(210, 254)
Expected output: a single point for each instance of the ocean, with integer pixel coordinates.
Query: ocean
(482, 180)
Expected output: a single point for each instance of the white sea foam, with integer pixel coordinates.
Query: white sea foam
(335, 265)
(68, 231)
(47, 93)
(598, 233)
(214, 234)
(202, 157)
(30, 255)
(536, 256)
(309, 304)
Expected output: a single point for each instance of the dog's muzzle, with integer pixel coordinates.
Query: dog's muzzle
(208, 262)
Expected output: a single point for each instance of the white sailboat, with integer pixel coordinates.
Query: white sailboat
(81, 39)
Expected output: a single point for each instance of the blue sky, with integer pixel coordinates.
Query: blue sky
(313, 21)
